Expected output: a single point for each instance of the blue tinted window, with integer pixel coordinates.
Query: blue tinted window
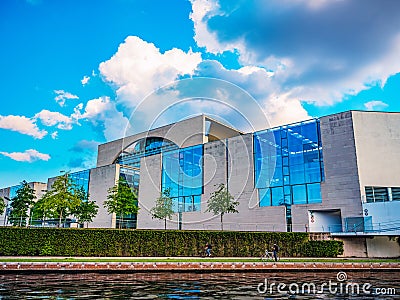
(287, 156)
(314, 193)
(265, 197)
(81, 179)
(299, 194)
(277, 196)
(182, 174)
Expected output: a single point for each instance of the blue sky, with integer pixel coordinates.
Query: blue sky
(76, 73)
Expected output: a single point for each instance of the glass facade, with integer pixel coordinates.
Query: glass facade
(182, 173)
(81, 179)
(131, 175)
(145, 147)
(129, 160)
(288, 164)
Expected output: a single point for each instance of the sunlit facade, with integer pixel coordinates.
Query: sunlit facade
(337, 173)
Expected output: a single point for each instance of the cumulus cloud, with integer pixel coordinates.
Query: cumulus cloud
(22, 125)
(62, 96)
(85, 80)
(51, 118)
(30, 155)
(375, 105)
(104, 116)
(318, 50)
(138, 68)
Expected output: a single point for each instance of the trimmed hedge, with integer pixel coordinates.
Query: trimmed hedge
(114, 242)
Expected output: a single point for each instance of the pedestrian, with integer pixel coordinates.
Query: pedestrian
(275, 250)
(208, 249)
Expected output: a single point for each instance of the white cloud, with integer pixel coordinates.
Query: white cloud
(50, 118)
(375, 105)
(138, 68)
(54, 135)
(30, 155)
(85, 80)
(62, 96)
(22, 125)
(322, 60)
(104, 116)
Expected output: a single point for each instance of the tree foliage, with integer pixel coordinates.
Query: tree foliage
(61, 200)
(221, 202)
(121, 200)
(163, 207)
(2, 205)
(86, 210)
(21, 203)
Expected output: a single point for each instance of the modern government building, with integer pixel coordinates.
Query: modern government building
(338, 173)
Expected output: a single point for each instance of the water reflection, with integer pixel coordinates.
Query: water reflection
(184, 285)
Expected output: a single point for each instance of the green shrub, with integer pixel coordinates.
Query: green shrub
(322, 248)
(114, 242)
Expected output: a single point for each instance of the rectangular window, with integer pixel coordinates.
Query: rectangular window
(381, 194)
(299, 194)
(369, 194)
(265, 197)
(395, 193)
(314, 193)
(277, 196)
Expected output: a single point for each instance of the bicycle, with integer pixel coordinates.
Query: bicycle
(268, 255)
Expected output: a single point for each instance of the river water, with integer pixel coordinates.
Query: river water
(280, 285)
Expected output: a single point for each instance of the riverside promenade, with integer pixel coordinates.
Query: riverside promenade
(157, 264)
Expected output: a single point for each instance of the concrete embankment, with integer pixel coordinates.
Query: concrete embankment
(79, 267)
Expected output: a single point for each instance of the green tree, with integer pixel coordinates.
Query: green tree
(41, 210)
(221, 202)
(21, 203)
(86, 210)
(2, 205)
(121, 200)
(163, 207)
(62, 199)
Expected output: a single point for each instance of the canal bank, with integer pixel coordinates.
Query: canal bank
(196, 266)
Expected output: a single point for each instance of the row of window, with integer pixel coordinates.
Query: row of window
(288, 164)
(182, 174)
(81, 179)
(382, 194)
(295, 194)
(186, 203)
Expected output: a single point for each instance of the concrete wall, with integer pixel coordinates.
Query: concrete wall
(385, 215)
(184, 133)
(383, 246)
(377, 139)
(354, 246)
(101, 179)
(149, 191)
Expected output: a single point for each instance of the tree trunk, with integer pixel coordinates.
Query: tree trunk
(222, 224)
(165, 223)
(59, 221)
